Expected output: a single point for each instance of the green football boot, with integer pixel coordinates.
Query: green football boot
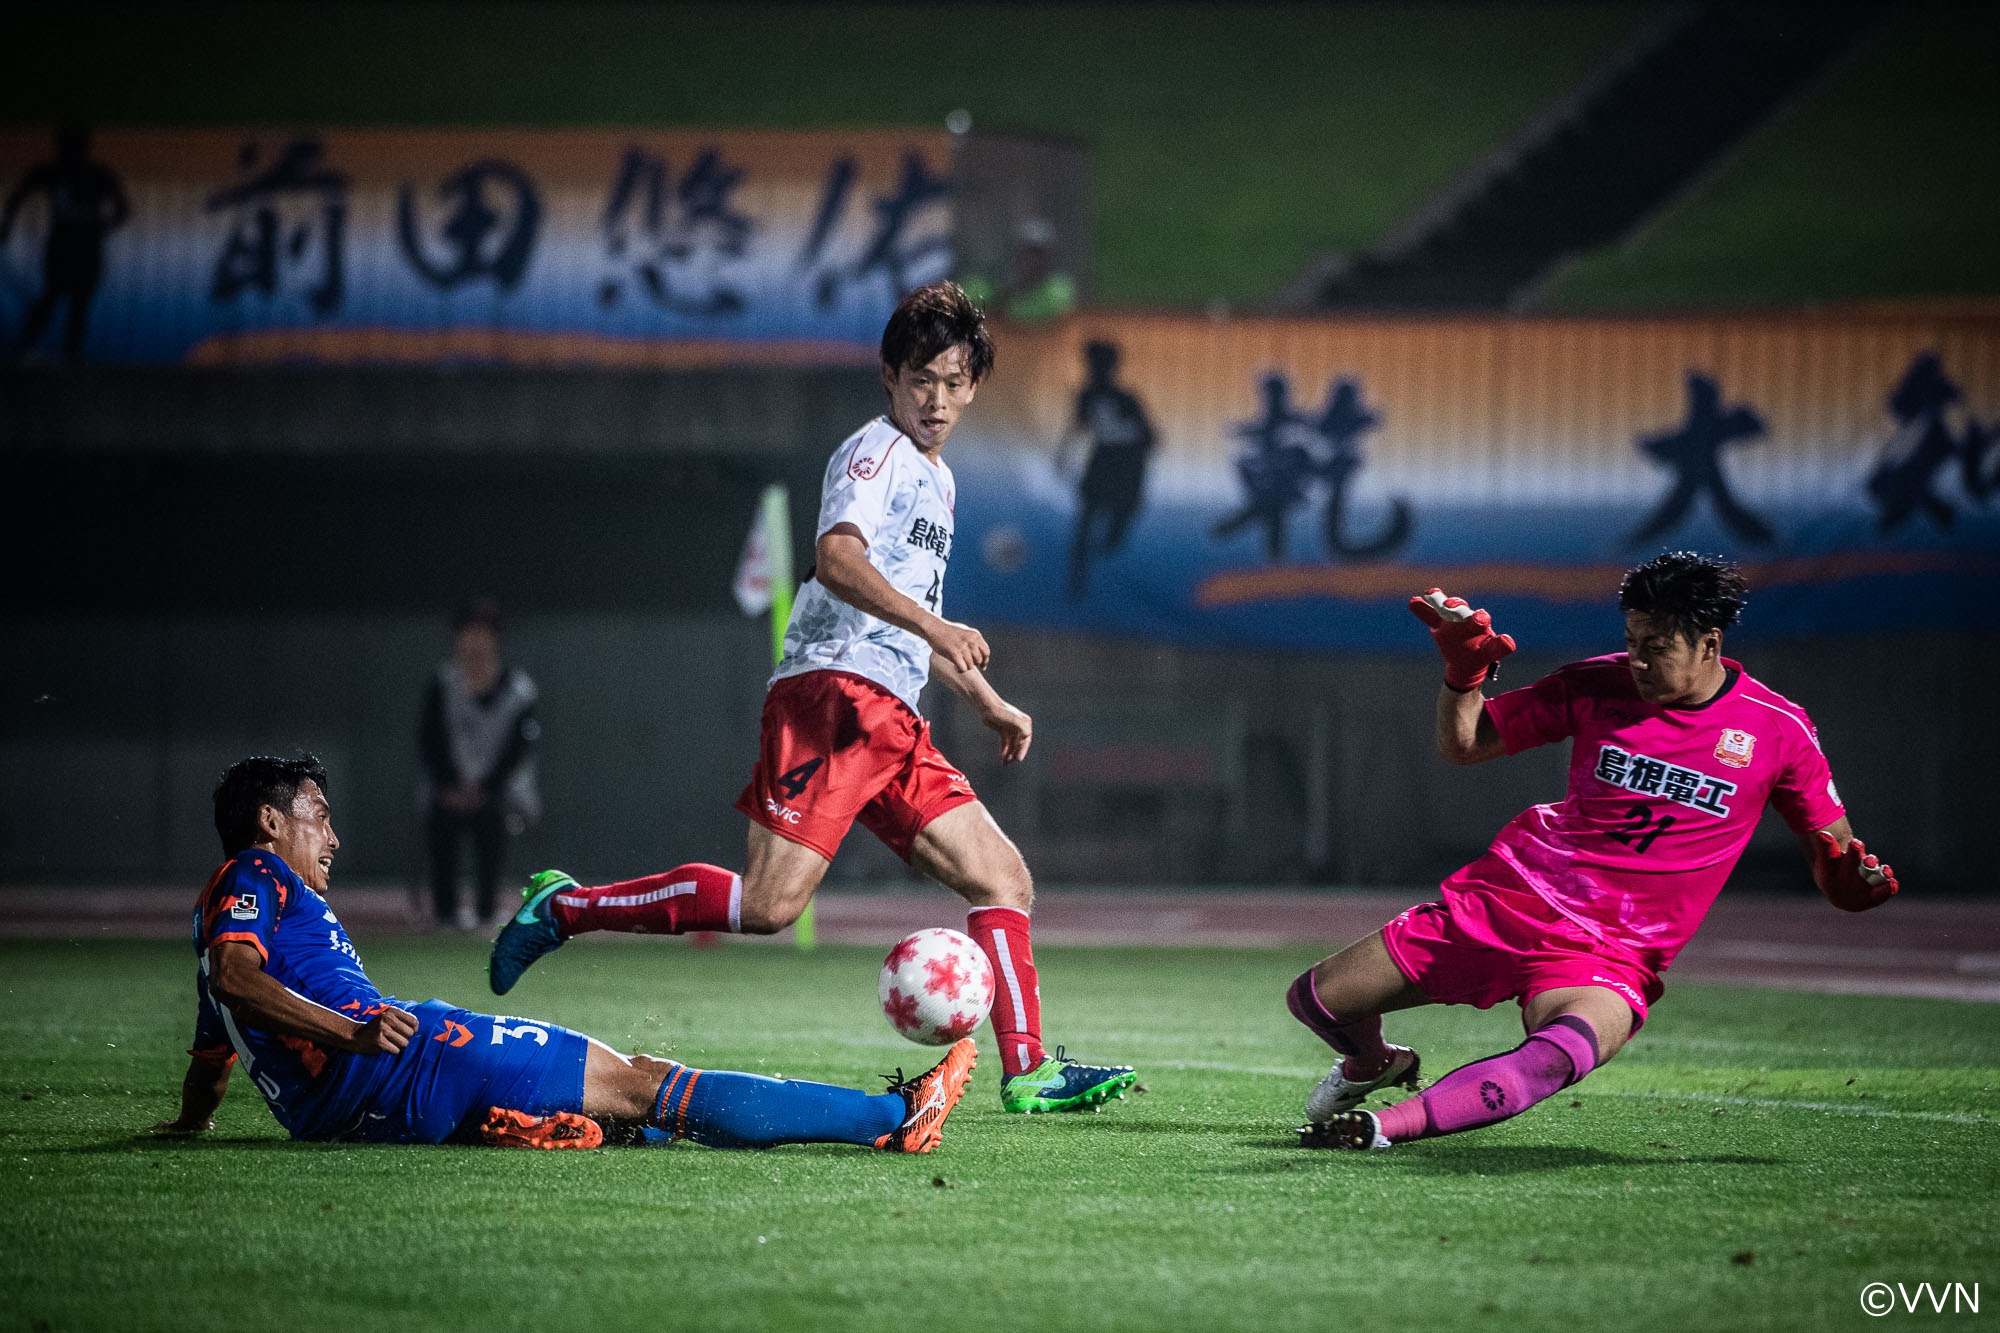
(529, 933)
(1062, 1084)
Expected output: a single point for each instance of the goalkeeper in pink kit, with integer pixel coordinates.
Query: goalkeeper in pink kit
(1576, 908)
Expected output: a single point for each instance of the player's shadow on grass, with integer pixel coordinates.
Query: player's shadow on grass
(144, 1142)
(1520, 1159)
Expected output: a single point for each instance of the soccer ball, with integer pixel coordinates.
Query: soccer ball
(936, 987)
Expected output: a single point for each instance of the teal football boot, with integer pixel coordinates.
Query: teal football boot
(529, 933)
(1062, 1084)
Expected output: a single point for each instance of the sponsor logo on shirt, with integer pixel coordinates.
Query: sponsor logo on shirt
(1735, 747)
(784, 814)
(932, 537)
(863, 467)
(1832, 794)
(243, 907)
(1655, 777)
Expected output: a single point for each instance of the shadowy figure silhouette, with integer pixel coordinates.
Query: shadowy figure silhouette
(1114, 478)
(86, 204)
(1694, 452)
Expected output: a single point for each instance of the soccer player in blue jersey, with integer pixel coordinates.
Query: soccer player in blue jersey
(281, 989)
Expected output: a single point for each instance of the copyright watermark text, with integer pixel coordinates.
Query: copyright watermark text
(1880, 1298)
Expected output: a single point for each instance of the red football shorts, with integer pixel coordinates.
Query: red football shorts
(837, 747)
(1492, 938)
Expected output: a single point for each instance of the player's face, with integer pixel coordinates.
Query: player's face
(925, 402)
(1666, 667)
(304, 836)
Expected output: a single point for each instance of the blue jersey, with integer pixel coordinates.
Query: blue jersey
(256, 899)
(457, 1065)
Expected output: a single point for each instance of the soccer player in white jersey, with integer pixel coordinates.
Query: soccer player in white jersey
(1577, 908)
(843, 738)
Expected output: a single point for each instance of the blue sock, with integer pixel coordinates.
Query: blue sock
(728, 1110)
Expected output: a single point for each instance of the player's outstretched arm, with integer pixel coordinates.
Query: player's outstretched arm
(201, 1092)
(236, 977)
(1014, 727)
(1851, 878)
(1465, 734)
(842, 568)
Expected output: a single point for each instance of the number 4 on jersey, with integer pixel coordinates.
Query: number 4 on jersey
(795, 781)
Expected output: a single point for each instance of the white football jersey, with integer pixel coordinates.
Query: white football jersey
(902, 504)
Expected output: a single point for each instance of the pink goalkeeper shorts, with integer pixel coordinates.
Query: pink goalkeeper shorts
(1491, 938)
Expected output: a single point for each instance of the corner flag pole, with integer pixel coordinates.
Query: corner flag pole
(775, 514)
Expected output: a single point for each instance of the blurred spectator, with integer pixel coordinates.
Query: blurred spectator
(86, 203)
(1036, 290)
(477, 738)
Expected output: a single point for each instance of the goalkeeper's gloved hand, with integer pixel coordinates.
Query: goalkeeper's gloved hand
(1852, 880)
(1471, 649)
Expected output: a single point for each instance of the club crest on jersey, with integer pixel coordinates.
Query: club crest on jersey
(243, 907)
(1735, 747)
(863, 467)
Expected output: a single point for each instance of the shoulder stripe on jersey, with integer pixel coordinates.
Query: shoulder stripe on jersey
(241, 937)
(1785, 713)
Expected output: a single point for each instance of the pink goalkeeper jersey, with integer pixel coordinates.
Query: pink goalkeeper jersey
(1661, 801)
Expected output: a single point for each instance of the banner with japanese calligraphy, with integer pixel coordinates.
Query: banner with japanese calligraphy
(595, 247)
(1291, 483)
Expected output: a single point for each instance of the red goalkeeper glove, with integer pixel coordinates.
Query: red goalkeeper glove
(1852, 880)
(1471, 649)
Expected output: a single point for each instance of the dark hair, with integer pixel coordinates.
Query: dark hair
(251, 784)
(930, 321)
(484, 611)
(1693, 593)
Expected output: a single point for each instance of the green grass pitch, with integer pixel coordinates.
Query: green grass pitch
(1752, 1160)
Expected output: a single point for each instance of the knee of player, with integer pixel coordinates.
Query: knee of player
(1013, 886)
(766, 916)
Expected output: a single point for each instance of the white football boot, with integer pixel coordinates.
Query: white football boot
(1337, 1092)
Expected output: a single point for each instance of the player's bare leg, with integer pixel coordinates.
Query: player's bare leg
(1610, 1018)
(779, 879)
(1342, 1000)
(1363, 981)
(965, 850)
(1571, 1031)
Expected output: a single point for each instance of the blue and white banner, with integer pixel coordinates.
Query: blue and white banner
(1290, 483)
(528, 247)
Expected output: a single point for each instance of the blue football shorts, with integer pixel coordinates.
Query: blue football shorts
(459, 1066)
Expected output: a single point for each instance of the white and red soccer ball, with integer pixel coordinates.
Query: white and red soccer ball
(936, 987)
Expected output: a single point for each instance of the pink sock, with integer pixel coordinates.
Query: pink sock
(1498, 1087)
(689, 897)
(1017, 994)
(1359, 1039)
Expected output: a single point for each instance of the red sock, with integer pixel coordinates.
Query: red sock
(690, 897)
(1017, 995)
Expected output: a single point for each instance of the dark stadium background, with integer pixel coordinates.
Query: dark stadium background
(203, 563)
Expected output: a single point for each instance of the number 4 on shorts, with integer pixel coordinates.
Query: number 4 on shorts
(795, 781)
